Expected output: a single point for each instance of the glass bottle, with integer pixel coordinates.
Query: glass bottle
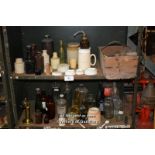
(38, 104)
(44, 108)
(79, 105)
(108, 108)
(38, 63)
(51, 108)
(48, 44)
(33, 50)
(68, 95)
(61, 106)
(91, 101)
(100, 99)
(61, 52)
(55, 92)
(118, 104)
(29, 62)
(55, 61)
(72, 54)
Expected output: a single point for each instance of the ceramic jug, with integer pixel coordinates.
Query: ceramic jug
(84, 58)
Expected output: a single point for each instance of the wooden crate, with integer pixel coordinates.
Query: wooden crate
(118, 62)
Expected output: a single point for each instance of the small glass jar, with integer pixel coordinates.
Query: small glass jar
(72, 54)
(94, 116)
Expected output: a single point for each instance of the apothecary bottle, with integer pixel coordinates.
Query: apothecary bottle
(108, 108)
(55, 61)
(51, 107)
(38, 104)
(48, 44)
(29, 62)
(38, 63)
(61, 106)
(46, 60)
(33, 50)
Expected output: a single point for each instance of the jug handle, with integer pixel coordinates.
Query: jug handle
(93, 55)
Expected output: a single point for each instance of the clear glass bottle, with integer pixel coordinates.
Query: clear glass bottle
(90, 100)
(55, 61)
(38, 63)
(100, 99)
(29, 62)
(118, 104)
(68, 94)
(61, 106)
(108, 108)
(79, 105)
(61, 52)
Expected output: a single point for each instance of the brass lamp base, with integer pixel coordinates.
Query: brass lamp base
(27, 121)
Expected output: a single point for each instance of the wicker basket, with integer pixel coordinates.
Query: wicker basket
(118, 62)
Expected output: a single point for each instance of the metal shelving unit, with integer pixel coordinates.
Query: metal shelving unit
(6, 98)
(11, 77)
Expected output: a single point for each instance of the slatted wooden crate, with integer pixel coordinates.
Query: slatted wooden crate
(118, 62)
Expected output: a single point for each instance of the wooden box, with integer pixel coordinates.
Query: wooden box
(118, 62)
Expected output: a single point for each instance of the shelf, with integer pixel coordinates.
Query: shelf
(98, 76)
(54, 123)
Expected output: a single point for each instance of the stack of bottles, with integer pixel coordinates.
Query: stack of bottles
(110, 103)
(61, 105)
(41, 61)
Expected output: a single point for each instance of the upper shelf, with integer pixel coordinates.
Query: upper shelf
(98, 76)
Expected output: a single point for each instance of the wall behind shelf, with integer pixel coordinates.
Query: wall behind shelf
(98, 35)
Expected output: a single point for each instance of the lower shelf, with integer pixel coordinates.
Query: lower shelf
(113, 124)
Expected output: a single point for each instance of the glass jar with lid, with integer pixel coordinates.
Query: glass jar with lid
(72, 54)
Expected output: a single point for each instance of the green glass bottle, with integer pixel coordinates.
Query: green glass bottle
(61, 52)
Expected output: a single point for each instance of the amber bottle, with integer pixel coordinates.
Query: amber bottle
(51, 107)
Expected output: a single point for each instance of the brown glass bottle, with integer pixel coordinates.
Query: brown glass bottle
(38, 63)
(34, 50)
(38, 104)
(29, 62)
(48, 44)
(51, 108)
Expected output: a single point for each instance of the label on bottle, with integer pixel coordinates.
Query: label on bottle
(61, 121)
(61, 110)
(44, 105)
(101, 107)
(68, 78)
